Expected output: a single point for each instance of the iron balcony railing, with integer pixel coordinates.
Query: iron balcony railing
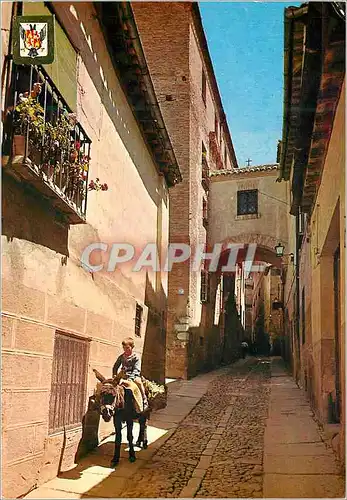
(49, 148)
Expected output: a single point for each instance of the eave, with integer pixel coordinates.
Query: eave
(294, 34)
(245, 171)
(128, 57)
(314, 72)
(329, 93)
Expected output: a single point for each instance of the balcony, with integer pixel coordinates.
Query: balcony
(45, 146)
(215, 151)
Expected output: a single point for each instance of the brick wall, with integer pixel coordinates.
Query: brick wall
(173, 51)
(163, 29)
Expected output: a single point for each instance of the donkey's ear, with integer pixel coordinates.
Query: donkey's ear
(99, 376)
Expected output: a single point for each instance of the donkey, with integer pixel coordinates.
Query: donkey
(118, 402)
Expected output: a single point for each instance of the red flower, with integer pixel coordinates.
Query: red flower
(73, 155)
(97, 186)
(77, 145)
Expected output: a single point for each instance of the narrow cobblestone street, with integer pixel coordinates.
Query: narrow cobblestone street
(244, 431)
(222, 437)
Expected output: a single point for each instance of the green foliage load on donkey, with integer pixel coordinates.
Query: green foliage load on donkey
(156, 394)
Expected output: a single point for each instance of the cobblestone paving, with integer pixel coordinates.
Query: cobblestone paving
(217, 451)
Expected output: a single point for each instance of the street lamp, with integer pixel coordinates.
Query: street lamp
(280, 252)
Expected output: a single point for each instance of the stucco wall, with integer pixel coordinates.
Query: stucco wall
(328, 230)
(314, 360)
(44, 287)
(268, 227)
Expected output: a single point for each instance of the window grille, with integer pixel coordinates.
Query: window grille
(205, 285)
(69, 381)
(302, 222)
(138, 320)
(204, 212)
(247, 202)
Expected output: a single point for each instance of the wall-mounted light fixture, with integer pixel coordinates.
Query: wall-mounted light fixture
(280, 252)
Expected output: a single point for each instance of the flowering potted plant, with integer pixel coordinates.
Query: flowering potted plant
(56, 145)
(97, 186)
(29, 115)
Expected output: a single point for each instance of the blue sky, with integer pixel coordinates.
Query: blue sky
(245, 40)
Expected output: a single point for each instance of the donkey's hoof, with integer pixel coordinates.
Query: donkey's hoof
(145, 445)
(132, 459)
(114, 463)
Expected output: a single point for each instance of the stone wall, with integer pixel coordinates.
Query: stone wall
(268, 226)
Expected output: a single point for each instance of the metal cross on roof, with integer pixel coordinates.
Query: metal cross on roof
(249, 161)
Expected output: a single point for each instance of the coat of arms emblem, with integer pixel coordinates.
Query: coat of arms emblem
(33, 40)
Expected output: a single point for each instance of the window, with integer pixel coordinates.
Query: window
(138, 320)
(203, 153)
(204, 212)
(203, 86)
(204, 169)
(69, 381)
(205, 286)
(247, 202)
(302, 222)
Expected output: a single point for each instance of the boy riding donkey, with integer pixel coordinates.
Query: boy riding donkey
(115, 400)
(130, 365)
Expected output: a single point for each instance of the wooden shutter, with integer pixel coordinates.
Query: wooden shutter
(69, 381)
